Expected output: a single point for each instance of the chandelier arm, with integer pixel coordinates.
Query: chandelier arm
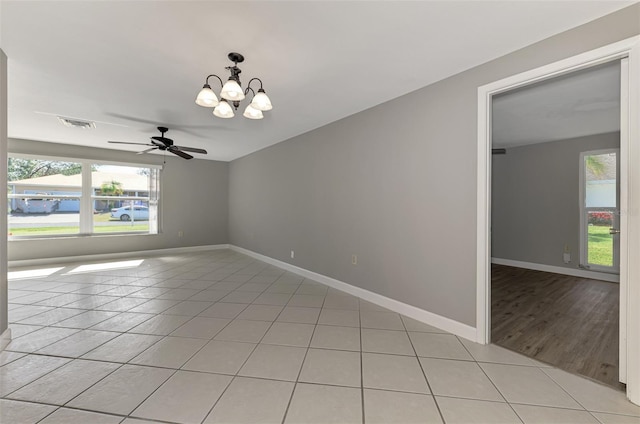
(214, 75)
(246, 91)
(257, 79)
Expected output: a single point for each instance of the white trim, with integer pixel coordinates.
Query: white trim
(438, 321)
(603, 276)
(85, 218)
(630, 239)
(119, 255)
(5, 339)
(623, 251)
(630, 269)
(483, 219)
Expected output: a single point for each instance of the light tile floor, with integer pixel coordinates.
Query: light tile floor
(218, 337)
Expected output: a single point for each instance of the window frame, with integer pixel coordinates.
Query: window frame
(87, 197)
(584, 211)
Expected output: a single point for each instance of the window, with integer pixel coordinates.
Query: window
(49, 197)
(599, 210)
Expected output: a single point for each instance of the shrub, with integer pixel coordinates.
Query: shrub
(600, 218)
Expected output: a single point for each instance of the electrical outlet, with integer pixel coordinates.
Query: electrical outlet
(566, 257)
(354, 259)
(180, 233)
(293, 254)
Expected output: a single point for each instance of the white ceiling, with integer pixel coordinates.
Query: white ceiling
(582, 103)
(132, 65)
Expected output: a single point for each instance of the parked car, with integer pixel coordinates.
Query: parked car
(140, 213)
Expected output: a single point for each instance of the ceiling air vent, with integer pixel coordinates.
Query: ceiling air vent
(76, 123)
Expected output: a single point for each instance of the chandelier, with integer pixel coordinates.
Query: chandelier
(232, 94)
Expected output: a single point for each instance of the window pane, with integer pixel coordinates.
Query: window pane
(44, 197)
(116, 190)
(600, 242)
(122, 218)
(600, 178)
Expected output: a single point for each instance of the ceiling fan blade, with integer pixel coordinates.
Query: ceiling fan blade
(190, 149)
(146, 151)
(127, 142)
(179, 153)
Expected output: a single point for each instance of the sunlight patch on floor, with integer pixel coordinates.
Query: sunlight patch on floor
(106, 266)
(32, 273)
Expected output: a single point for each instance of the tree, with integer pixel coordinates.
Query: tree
(595, 165)
(111, 188)
(22, 169)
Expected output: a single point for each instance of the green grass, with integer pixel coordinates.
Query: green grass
(600, 246)
(46, 231)
(102, 217)
(97, 220)
(41, 231)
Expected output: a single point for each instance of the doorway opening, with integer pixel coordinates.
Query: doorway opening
(555, 203)
(554, 206)
(627, 53)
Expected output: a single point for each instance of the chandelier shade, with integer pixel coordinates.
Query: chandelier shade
(261, 101)
(223, 110)
(232, 94)
(252, 113)
(232, 91)
(206, 97)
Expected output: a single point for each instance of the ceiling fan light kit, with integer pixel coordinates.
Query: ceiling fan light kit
(232, 94)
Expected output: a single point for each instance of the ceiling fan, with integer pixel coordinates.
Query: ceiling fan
(165, 144)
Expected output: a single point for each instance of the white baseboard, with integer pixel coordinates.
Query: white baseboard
(5, 338)
(438, 321)
(108, 256)
(613, 278)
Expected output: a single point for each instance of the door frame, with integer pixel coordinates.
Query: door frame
(630, 201)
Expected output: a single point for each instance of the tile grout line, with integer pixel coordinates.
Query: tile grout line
(233, 377)
(96, 382)
(490, 380)
(175, 371)
(310, 383)
(424, 374)
(73, 397)
(295, 383)
(26, 384)
(245, 361)
(563, 389)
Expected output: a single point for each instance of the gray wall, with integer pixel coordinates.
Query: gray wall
(535, 200)
(194, 199)
(395, 184)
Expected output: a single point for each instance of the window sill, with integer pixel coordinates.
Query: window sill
(78, 236)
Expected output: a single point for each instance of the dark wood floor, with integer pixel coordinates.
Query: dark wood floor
(569, 322)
